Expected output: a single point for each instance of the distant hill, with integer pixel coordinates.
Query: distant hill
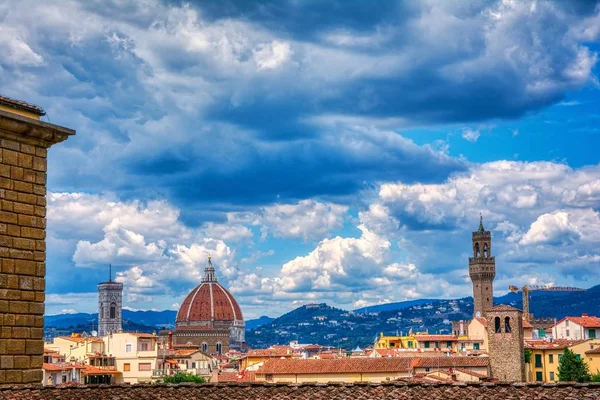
(393, 306)
(255, 323)
(331, 326)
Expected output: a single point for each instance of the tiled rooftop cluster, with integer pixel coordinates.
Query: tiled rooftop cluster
(234, 391)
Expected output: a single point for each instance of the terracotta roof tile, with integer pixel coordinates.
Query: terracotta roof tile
(340, 365)
(61, 366)
(450, 362)
(555, 344)
(585, 321)
(359, 391)
(440, 338)
(269, 353)
(22, 105)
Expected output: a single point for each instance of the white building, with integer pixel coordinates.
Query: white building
(577, 328)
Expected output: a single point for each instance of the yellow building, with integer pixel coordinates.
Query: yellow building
(346, 370)
(76, 348)
(396, 342)
(545, 357)
(135, 355)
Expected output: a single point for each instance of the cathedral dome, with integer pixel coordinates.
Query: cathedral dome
(208, 304)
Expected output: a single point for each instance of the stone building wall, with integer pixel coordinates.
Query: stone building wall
(506, 347)
(23, 152)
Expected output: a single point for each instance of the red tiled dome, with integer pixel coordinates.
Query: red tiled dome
(208, 302)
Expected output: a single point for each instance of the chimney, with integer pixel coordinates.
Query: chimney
(170, 340)
(584, 315)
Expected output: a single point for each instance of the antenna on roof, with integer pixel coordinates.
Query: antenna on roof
(110, 272)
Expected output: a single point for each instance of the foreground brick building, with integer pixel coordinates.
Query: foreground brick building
(357, 391)
(24, 142)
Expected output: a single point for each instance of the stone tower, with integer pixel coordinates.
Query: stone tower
(482, 270)
(24, 144)
(110, 303)
(505, 342)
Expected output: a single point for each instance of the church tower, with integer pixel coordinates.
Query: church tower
(482, 270)
(110, 303)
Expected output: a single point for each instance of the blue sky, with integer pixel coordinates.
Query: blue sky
(333, 151)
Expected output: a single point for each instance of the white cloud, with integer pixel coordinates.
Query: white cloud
(272, 55)
(308, 219)
(564, 227)
(471, 135)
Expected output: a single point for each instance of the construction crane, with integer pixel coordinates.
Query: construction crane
(539, 288)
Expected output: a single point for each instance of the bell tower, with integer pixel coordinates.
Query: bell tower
(482, 270)
(110, 303)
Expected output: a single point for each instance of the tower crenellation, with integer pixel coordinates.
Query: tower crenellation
(482, 270)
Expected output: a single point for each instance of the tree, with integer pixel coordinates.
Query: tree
(572, 369)
(183, 377)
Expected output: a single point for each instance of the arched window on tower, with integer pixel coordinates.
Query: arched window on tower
(477, 253)
(204, 347)
(497, 325)
(113, 310)
(486, 251)
(219, 347)
(102, 311)
(507, 328)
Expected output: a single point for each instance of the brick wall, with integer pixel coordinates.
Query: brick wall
(23, 154)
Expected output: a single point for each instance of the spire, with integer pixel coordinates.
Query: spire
(209, 272)
(110, 272)
(481, 229)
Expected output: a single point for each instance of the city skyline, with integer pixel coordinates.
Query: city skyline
(318, 152)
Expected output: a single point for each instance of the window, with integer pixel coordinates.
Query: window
(592, 334)
(113, 310)
(392, 344)
(145, 367)
(507, 328)
(475, 346)
(101, 311)
(559, 357)
(426, 345)
(64, 379)
(538, 361)
(427, 369)
(568, 333)
(448, 344)
(219, 348)
(143, 346)
(578, 356)
(551, 359)
(128, 348)
(462, 346)
(410, 344)
(551, 375)
(204, 347)
(539, 377)
(269, 378)
(193, 364)
(126, 367)
(497, 325)
(567, 323)
(437, 345)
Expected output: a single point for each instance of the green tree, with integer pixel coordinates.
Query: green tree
(183, 377)
(527, 356)
(572, 369)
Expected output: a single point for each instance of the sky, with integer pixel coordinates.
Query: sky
(319, 151)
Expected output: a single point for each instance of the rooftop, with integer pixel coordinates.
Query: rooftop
(357, 391)
(585, 321)
(333, 366)
(21, 105)
(548, 345)
(450, 362)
